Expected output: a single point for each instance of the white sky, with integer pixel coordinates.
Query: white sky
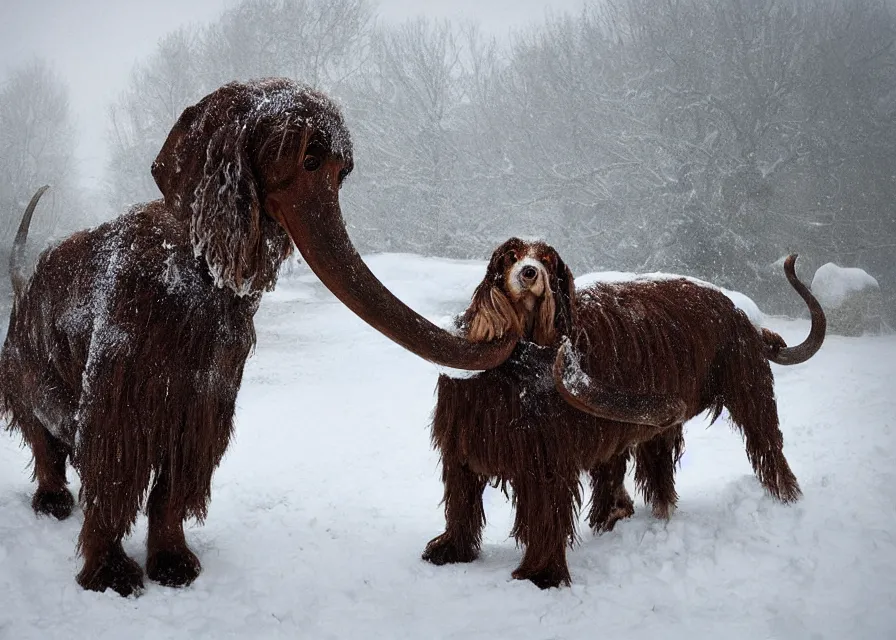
(93, 44)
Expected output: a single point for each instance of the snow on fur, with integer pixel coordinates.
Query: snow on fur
(740, 300)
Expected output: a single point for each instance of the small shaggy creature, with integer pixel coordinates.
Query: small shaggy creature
(599, 370)
(125, 349)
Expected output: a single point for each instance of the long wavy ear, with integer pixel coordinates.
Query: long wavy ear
(227, 227)
(563, 287)
(178, 168)
(545, 329)
(175, 168)
(206, 176)
(491, 315)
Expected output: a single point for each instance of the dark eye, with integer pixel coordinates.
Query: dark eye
(343, 174)
(549, 260)
(311, 163)
(510, 257)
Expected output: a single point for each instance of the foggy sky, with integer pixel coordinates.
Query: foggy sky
(94, 44)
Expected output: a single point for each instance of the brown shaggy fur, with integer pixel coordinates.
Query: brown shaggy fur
(671, 339)
(125, 350)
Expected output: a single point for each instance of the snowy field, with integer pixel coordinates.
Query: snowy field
(330, 491)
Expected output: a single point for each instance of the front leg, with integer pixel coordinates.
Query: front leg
(545, 524)
(464, 516)
(169, 560)
(106, 565)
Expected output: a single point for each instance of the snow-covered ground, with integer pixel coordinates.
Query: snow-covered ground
(330, 491)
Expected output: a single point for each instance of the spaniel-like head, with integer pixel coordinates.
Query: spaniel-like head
(234, 149)
(527, 291)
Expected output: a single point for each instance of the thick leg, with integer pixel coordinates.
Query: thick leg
(655, 462)
(750, 398)
(610, 501)
(168, 561)
(45, 405)
(106, 565)
(464, 517)
(52, 496)
(545, 525)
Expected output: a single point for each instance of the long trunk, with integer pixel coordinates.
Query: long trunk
(320, 235)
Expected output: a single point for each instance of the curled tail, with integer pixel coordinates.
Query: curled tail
(776, 349)
(17, 255)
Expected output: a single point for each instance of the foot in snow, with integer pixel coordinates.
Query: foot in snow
(113, 570)
(780, 481)
(663, 510)
(445, 549)
(176, 567)
(53, 503)
(547, 578)
(604, 517)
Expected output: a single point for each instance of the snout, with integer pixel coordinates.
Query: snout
(528, 276)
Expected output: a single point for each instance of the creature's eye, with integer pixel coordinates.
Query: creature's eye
(311, 162)
(549, 260)
(343, 174)
(510, 257)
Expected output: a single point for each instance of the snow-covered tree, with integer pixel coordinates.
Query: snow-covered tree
(159, 90)
(314, 41)
(707, 138)
(37, 146)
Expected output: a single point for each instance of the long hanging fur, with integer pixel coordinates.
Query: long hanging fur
(673, 338)
(126, 350)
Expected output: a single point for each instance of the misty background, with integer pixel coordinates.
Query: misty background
(707, 138)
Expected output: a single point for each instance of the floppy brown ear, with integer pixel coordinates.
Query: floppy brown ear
(491, 315)
(176, 163)
(228, 227)
(206, 176)
(563, 287)
(179, 166)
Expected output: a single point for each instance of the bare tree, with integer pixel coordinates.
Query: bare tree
(679, 135)
(315, 41)
(159, 90)
(319, 42)
(405, 112)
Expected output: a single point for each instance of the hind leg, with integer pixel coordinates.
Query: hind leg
(655, 462)
(754, 412)
(464, 517)
(50, 408)
(52, 496)
(169, 560)
(610, 500)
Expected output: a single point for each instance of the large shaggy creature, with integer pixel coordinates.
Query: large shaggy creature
(600, 370)
(126, 347)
